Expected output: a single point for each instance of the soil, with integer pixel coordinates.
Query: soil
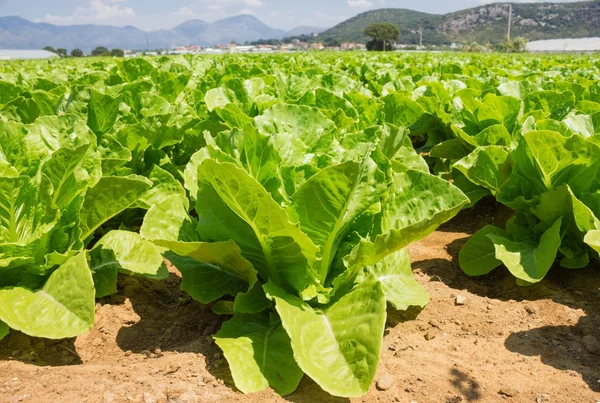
(152, 343)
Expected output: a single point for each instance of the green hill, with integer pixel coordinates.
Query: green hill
(486, 23)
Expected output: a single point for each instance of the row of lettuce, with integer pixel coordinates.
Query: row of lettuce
(286, 189)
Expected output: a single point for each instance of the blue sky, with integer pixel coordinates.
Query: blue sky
(157, 14)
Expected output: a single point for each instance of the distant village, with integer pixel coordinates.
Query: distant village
(295, 46)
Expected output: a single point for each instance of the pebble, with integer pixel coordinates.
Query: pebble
(460, 300)
(510, 392)
(530, 310)
(429, 336)
(542, 397)
(108, 397)
(385, 382)
(591, 344)
(171, 369)
(434, 323)
(208, 331)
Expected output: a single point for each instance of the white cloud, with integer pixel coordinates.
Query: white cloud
(253, 3)
(184, 12)
(321, 19)
(360, 3)
(212, 10)
(97, 12)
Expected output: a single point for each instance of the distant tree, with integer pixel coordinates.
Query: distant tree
(77, 53)
(381, 34)
(472, 47)
(61, 52)
(332, 42)
(100, 51)
(519, 45)
(117, 52)
(50, 49)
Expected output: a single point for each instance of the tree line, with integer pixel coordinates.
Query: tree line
(382, 34)
(98, 51)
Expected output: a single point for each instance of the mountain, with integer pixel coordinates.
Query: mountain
(191, 28)
(486, 23)
(304, 30)
(19, 33)
(240, 29)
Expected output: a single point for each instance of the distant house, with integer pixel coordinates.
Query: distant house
(241, 49)
(352, 46)
(10, 54)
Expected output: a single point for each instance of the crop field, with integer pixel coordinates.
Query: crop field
(302, 227)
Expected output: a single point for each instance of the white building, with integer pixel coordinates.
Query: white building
(13, 54)
(565, 45)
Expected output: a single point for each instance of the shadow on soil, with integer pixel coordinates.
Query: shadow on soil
(468, 387)
(309, 392)
(575, 347)
(41, 352)
(173, 321)
(170, 320)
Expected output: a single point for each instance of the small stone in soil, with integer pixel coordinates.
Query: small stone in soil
(530, 310)
(429, 336)
(108, 397)
(460, 300)
(210, 330)
(509, 392)
(171, 369)
(542, 397)
(385, 382)
(434, 323)
(591, 344)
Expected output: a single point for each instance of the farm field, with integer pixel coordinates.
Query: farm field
(322, 227)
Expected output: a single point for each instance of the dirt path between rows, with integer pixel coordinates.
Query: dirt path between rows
(152, 343)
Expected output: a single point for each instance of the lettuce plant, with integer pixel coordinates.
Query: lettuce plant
(53, 198)
(302, 241)
(551, 182)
